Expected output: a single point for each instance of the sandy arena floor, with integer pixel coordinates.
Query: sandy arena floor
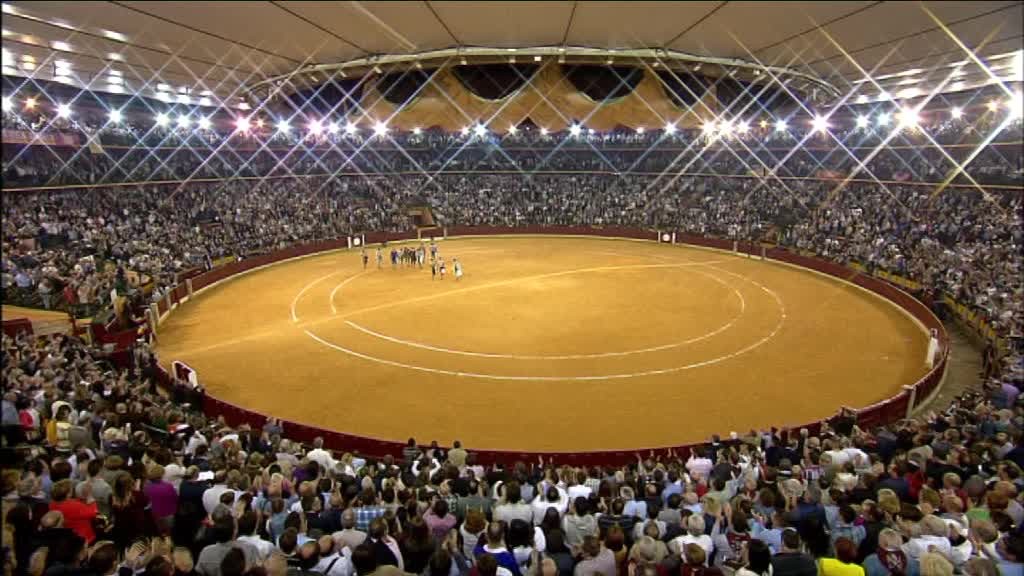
(547, 343)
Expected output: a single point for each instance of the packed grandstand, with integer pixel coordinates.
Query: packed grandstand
(114, 466)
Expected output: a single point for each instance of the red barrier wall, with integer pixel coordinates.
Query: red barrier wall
(886, 411)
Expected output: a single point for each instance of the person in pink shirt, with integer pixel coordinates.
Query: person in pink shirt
(439, 519)
(163, 498)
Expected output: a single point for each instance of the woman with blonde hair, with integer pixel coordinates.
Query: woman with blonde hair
(933, 564)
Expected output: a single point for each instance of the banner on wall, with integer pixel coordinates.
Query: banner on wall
(45, 138)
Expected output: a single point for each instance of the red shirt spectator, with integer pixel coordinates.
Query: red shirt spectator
(78, 516)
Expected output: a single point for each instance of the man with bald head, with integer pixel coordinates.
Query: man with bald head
(334, 560)
(348, 536)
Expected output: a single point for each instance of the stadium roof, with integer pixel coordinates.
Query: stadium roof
(219, 49)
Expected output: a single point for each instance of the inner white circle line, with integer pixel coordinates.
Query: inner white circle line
(334, 309)
(719, 330)
(716, 360)
(295, 301)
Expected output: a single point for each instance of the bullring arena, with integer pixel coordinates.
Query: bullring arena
(549, 331)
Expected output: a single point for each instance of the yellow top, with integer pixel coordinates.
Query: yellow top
(833, 567)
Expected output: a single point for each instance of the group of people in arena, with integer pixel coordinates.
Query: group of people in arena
(104, 474)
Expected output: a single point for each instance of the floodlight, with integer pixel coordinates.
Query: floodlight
(162, 120)
(820, 124)
(380, 128)
(115, 116)
(63, 111)
(204, 123)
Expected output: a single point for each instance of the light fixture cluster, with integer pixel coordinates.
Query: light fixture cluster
(905, 118)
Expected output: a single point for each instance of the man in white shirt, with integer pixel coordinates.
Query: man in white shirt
(224, 482)
(513, 507)
(321, 456)
(698, 466)
(333, 561)
(554, 497)
(694, 535)
(247, 534)
(579, 488)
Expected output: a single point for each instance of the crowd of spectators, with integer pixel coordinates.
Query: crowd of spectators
(64, 249)
(106, 474)
(128, 152)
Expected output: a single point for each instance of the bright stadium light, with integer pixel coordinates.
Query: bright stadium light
(591, 132)
(780, 126)
(8, 104)
(908, 118)
(480, 130)
(315, 127)
(380, 129)
(670, 128)
(350, 128)
(284, 127)
(763, 124)
(259, 122)
(332, 128)
(992, 106)
(743, 127)
(184, 121)
(63, 111)
(242, 124)
(957, 113)
(883, 119)
(512, 129)
(115, 116)
(464, 131)
(640, 130)
(162, 120)
(30, 103)
(725, 127)
(204, 123)
(863, 122)
(820, 124)
(417, 130)
(575, 130)
(709, 128)
(543, 131)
